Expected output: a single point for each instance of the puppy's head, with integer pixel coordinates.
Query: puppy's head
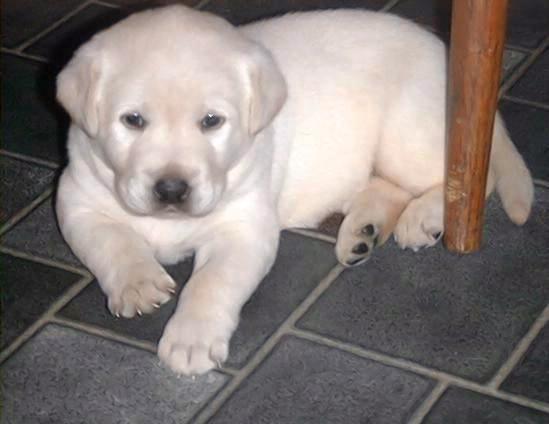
(171, 100)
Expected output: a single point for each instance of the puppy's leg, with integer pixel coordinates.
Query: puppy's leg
(123, 263)
(227, 271)
(370, 220)
(422, 222)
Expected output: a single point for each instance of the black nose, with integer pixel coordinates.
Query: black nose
(171, 190)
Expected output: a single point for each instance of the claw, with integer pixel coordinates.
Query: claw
(171, 290)
(139, 312)
(156, 305)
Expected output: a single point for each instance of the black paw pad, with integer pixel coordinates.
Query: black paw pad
(360, 249)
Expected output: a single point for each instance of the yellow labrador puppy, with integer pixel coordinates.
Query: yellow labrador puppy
(191, 135)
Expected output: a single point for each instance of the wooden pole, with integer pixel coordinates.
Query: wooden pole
(476, 50)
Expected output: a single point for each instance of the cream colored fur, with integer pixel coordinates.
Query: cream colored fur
(324, 112)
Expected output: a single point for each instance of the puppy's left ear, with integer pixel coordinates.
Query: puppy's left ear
(266, 89)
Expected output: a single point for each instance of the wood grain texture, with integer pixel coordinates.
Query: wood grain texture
(476, 49)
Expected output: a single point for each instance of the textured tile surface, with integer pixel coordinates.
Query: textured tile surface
(243, 11)
(534, 84)
(38, 234)
(90, 306)
(300, 265)
(460, 314)
(458, 406)
(141, 4)
(28, 289)
(530, 133)
(60, 44)
(530, 378)
(22, 19)
(32, 123)
(511, 59)
(528, 22)
(435, 14)
(63, 376)
(302, 382)
(22, 182)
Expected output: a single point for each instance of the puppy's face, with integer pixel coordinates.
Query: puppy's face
(171, 100)
(171, 140)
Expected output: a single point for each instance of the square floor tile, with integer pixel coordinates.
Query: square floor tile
(39, 235)
(302, 382)
(142, 4)
(90, 306)
(530, 133)
(530, 378)
(534, 84)
(460, 314)
(28, 289)
(32, 122)
(528, 22)
(64, 376)
(435, 14)
(60, 44)
(20, 183)
(300, 266)
(22, 19)
(458, 406)
(244, 11)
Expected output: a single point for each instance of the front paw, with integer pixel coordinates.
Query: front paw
(140, 290)
(193, 345)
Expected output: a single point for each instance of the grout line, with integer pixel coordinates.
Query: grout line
(104, 333)
(111, 335)
(525, 102)
(410, 366)
(523, 68)
(49, 262)
(24, 55)
(23, 212)
(520, 350)
(428, 403)
(61, 301)
(390, 4)
(106, 4)
(52, 26)
(213, 406)
(201, 4)
(30, 159)
(518, 48)
(312, 234)
(540, 182)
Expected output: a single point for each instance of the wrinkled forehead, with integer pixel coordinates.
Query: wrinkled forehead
(166, 81)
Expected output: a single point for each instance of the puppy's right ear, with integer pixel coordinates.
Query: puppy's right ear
(78, 90)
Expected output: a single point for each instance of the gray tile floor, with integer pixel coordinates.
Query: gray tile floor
(428, 337)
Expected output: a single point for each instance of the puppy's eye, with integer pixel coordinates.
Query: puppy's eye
(211, 121)
(133, 120)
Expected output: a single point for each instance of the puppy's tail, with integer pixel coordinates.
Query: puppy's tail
(513, 180)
